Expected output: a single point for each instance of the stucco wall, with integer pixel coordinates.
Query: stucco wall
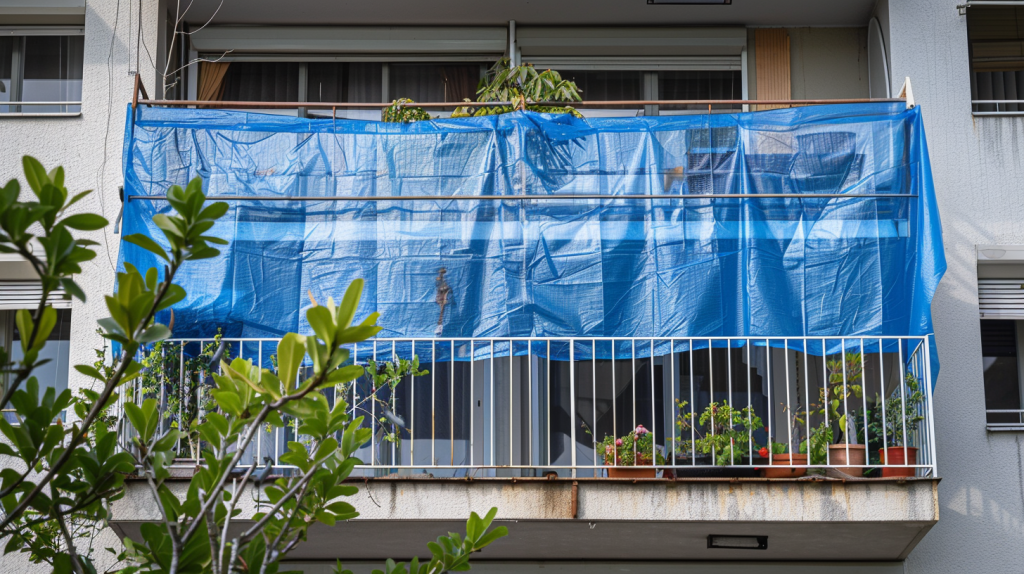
(977, 166)
(89, 148)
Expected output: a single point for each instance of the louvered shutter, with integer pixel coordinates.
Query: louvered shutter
(25, 295)
(1001, 298)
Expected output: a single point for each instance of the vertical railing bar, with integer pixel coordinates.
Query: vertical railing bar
(864, 399)
(807, 401)
(693, 407)
(883, 397)
(548, 366)
(654, 415)
(529, 400)
(789, 401)
(257, 458)
(728, 378)
(928, 395)
(472, 399)
(750, 410)
(373, 409)
(451, 407)
(615, 399)
(181, 388)
(711, 394)
(433, 402)
(846, 408)
(572, 403)
(412, 412)
(825, 384)
(771, 406)
(163, 389)
(672, 383)
(394, 403)
(903, 409)
(494, 425)
(593, 398)
(632, 379)
(511, 395)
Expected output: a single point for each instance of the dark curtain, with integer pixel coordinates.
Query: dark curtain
(262, 82)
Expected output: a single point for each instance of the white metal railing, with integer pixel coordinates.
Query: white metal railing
(1004, 419)
(997, 107)
(536, 406)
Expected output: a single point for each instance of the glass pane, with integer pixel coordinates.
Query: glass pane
(53, 72)
(262, 82)
(433, 82)
(999, 355)
(58, 345)
(344, 82)
(604, 85)
(683, 85)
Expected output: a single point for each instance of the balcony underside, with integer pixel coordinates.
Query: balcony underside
(822, 520)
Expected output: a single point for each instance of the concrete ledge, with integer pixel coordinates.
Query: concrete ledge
(565, 519)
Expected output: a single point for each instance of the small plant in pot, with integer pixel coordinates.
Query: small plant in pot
(835, 397)
(723, 432)
(624, 454)
(783, 457)
(889, 425)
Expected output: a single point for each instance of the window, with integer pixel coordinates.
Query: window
(262, 82)
(41, 74)
(689, 85)
(995, 37)
(56, 351)
(1000, 349)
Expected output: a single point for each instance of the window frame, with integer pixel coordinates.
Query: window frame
(18, 71)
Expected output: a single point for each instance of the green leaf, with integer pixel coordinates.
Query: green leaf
(148, 244)
(85, 222)
(35, 174)
(72, 288)
(90, 371)
(155, 333)
(290, 353)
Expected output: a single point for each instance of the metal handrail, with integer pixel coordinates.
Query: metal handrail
(551, 196)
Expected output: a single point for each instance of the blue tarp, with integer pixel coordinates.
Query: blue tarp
(613, 266)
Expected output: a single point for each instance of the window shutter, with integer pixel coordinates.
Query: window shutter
(25, 295)
(1001, 298)
(771, 56)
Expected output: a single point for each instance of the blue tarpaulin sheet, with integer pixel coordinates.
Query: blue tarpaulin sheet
(691, 262)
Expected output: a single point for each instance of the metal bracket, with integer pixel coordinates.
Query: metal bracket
(907, 91)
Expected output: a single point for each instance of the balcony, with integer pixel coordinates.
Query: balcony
(518, 424)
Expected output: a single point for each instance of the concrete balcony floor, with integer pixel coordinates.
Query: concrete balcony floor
(588, 519)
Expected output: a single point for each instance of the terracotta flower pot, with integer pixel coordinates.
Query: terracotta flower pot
(894, 455)
(780, 462)
(632, 472)
(858, 455)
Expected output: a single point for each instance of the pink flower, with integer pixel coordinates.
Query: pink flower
(608, 449)
(618, 442)
(640, 430)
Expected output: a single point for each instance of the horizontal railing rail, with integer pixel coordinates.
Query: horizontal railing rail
(527, 406)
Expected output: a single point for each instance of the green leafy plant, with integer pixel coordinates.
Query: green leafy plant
(400, 111)
(844, 383)
(67, 474)
(635, 449)
(900, 411)
(526, 88)
(388, 375)
(722, 431)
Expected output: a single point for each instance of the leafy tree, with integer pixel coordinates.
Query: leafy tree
(58, 479)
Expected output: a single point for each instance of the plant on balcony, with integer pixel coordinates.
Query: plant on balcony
(58, 479)
(845, 383)
(635, 449)
(724, 433)
(898, 418)
(525, 87)
(388, 375)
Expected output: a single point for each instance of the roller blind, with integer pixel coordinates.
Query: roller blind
(1001, 298)
(25, 295)
(629, 41)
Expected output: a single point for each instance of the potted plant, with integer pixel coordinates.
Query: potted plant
(783, 457)
(722, 433)
(623, 454)
(387, 375)
(835, 397)
(897, 418)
